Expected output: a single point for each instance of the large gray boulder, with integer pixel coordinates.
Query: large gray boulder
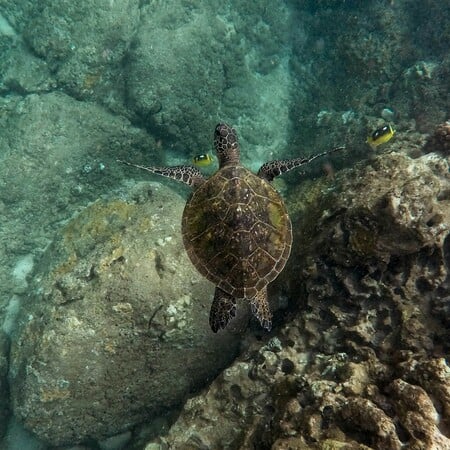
(194, 64)
(82, 44)
(115, 329)
(175, 72)
(57, 154)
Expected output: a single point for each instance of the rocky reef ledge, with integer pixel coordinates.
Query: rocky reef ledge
(114, 334)
(360, 364)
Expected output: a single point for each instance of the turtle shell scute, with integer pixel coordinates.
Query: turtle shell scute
(236, 231)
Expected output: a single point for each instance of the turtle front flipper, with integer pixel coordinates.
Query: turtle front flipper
(261, 309)
(223, 309)
(272, 169)
(186, 174)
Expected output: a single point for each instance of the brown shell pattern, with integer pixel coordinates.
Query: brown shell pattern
(237, 232)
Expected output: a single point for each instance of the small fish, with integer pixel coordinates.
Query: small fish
(203, 160)
(380, 136)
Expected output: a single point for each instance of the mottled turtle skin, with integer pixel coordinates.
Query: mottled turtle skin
(236, 229)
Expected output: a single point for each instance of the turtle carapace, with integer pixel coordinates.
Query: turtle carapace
(235, 226)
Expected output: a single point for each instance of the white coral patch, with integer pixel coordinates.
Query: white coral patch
(5, 28)
(23, 267)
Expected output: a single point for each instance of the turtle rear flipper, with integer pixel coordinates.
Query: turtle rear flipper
(223, 309)
(261, 309)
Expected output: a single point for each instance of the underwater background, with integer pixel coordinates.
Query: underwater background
(105, 342)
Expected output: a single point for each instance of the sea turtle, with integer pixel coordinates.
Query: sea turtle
(236, 229)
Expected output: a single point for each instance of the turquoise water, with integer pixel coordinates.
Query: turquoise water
(105, 328)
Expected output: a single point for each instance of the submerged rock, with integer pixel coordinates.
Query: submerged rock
(82, 46)
(193, 64)
(116, 328)
(57, 155)
(361, 363)
(175, 58)
(24, 73)
(4, 388)
(439, 140)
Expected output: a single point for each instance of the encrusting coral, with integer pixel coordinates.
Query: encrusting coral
(361, 363)
(439, 141)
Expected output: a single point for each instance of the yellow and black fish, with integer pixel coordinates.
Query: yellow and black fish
(202, 160)
(380, 136)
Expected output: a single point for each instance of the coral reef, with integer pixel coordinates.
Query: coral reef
(360, 364)
(376, 55)
(117, 319)
(439, 141)
(421, 93)
(85, 83)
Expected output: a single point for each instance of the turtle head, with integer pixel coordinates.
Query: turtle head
(226, 145)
